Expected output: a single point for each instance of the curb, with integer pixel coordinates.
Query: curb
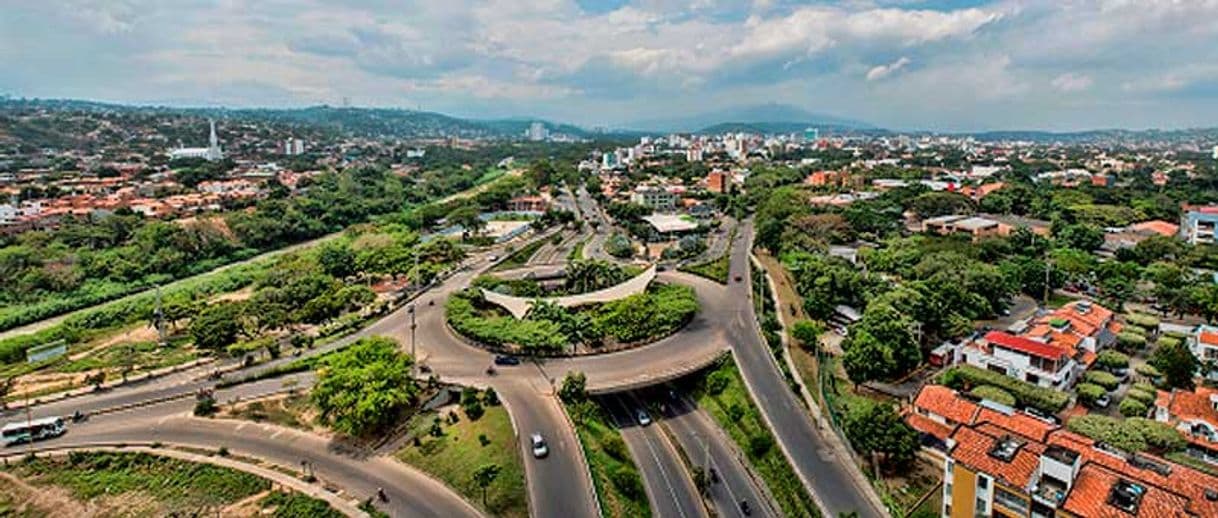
(837, 442)
(338, 503)
(583, 457)
(87, 390)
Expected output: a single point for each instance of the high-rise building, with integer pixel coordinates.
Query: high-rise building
(293, 146)
(538, 132)
(811, 135)
(1215, 153)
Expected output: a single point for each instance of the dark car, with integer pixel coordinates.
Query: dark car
(503, 359)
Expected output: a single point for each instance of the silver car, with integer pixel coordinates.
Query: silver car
(539, 446)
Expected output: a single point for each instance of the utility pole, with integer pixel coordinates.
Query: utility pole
(414, 359)
(1048, 268)
(158, 319)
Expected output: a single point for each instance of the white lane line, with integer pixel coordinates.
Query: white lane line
(672, 493)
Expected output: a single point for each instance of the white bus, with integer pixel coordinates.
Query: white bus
(36, 430)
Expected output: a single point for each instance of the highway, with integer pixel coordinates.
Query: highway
(670, 488)
(706, 444)
(827, 476)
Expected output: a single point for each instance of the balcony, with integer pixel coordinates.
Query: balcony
(1049, 492)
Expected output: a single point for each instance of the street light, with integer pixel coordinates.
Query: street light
(414, 359)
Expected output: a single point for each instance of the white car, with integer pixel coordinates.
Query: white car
(539, 446)
(642, 417)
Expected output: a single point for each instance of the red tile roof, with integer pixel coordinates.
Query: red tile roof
(946, 403)
(1024, 345)
(928, 426)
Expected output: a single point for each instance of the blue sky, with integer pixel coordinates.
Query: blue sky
(931, 64)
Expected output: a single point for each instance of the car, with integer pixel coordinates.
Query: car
(540, 449)
(493, 258)
(738, 278)
(1103, 401)
(1038, 414)
(504, 359)
(642, 417)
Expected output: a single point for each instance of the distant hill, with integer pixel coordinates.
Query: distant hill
(762, 118)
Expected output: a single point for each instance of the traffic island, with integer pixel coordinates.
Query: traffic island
(512, 315)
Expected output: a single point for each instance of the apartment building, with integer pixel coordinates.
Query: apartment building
(655, 198)
(993, 470)
(1197, 224)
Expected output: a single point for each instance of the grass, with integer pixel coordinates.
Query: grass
(1181, 457)
(577, 253)
(293, 505)
(454, 456)
(520, 257)
(715, 270)
(737, 414)
(619, 487)
(165, 486)
(287, 411)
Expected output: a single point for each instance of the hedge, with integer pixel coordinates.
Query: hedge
(1103, 379)
(1131, 407)
(1113, 359)
(1133, 435)
(1142, 320)
(1127, 340)
(994, 394)
(1025, 394)
(1136, 330)
(1145, 387)
(1088, 393)
(1168, 341)
(1146, 398)
(1148, 370)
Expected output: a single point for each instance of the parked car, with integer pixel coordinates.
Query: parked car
(1103, 401)
(1048, 418)
(504, 359)
(540, 449)
(642, 417)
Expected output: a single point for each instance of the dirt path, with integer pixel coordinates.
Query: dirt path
(46, 501)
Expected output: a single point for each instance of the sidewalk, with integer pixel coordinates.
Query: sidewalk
(81, 391)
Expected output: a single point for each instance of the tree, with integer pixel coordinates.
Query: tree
(807, 333)
(484, 476)
(1080, 236)
(1177, 364)
(574, 388)
(362, 389)
(217, 326)
(877, 428)
(467, 217)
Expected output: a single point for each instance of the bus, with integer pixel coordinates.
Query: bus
(35, 430)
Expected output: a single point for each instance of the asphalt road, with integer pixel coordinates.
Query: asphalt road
(410, 492)
(670, 487)
(827, 476)
(706, 444)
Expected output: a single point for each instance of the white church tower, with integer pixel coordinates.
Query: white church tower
(213, 145)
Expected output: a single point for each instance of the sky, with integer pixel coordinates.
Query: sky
(962, 65)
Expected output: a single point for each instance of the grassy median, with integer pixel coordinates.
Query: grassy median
(723, 394)
(461, 448)
(619, 486)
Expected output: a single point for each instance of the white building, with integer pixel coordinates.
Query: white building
(656, 198)
(537, 132)
(210, 153)
(1204, 345)
(1215, 153)
(1024, 359)
(293, 146)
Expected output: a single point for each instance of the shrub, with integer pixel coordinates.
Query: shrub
(1112, 359)
(1149, 371)
(1142, 320)
(994, 394)
(1108, 430)
(717, 382)
(1133, 435)
(1168, 341)
(615, 447)
(627, 481)
(1026, 394)
(1146, 398)
(1160, 436)
(759, 445)
(1128, 341)
(1103, 379)
(1137, 330)
(205, 406)
(1131, 407)
(1143, 386)
(1088, 393)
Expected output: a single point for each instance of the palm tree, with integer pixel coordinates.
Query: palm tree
(485, 476)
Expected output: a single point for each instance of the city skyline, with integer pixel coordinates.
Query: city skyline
(933, 65)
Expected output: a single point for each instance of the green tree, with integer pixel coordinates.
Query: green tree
(217, 326)
(363, 389)
(484, 476)
(807, 333)
(878, 429)
(574, 388)
(1177, 364)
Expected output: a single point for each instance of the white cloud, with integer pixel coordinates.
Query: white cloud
(882, 71)
(1072, 82)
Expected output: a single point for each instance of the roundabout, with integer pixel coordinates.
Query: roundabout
(570, 316)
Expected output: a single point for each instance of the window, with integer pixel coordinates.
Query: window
(1010, 501)
(981, 508)
(983, 482)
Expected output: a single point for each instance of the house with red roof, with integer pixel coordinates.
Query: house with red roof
(1204, 345)
(1025, 359)
(1195, 414)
